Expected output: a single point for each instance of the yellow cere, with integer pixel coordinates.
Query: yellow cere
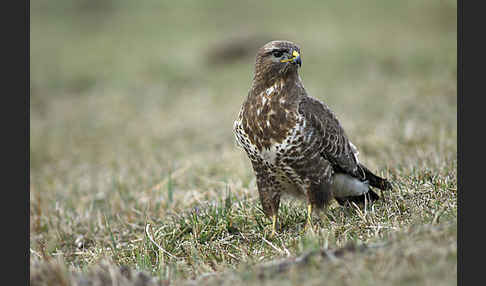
(295, 54)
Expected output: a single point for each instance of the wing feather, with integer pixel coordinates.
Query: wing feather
(335, 145)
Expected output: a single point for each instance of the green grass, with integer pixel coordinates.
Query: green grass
(133, 166)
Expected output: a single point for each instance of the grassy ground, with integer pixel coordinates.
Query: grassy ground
(135, 177)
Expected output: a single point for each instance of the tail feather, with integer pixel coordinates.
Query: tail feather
(370, 197)
(376, 181)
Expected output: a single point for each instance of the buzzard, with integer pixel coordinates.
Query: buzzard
(295, 142)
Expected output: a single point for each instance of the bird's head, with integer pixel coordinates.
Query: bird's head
(276, 59)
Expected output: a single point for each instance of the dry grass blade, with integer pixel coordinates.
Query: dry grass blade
(147, 232)
(273, 246)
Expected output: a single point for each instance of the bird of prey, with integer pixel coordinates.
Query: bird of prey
(295, 143)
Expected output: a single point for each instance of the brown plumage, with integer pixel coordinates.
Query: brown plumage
(295, 142)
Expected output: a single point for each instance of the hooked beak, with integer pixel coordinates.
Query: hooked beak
(294, 59)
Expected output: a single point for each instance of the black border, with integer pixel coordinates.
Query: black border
(27, 134)
(459, 145)
(471, 151)
(15, 120)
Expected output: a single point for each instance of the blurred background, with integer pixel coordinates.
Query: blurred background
(139, 87)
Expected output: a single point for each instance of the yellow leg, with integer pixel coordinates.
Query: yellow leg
(309, 214)
(309, 218)
(274, 225)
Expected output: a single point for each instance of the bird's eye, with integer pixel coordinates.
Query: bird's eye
(277, 54)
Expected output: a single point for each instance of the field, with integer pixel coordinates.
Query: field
(135, 178)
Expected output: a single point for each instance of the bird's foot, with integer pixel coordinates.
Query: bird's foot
(274, 226)
(308, 225)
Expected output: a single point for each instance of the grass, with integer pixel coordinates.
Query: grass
(135, 177)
